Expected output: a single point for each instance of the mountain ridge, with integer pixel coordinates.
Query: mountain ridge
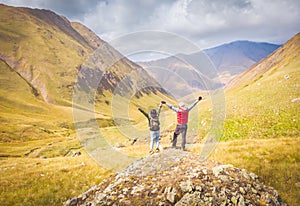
(286, 53)
(88, 34)
(254, 51)
(52, 54)
(228, 60)
(65, 46)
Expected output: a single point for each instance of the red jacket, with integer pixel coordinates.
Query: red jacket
(183, 112)
(182, 116)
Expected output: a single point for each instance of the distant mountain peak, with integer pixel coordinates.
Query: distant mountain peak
(228, 60)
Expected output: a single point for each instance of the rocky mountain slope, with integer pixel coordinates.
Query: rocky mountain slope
(47, 51)
(50, 55)
(175, 177)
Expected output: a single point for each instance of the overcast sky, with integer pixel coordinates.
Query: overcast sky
(207, 23)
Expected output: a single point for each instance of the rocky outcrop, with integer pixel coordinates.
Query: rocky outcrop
(175, 177)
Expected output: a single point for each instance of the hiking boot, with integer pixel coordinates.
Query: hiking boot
(157, 150)
(151, 152)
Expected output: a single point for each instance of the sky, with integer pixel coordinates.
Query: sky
(207, 23)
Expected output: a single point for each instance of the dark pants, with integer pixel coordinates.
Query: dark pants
(180, 128)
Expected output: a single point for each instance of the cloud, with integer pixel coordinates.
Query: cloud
(73, 9)
(207, 22)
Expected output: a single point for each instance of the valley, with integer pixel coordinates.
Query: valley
(45, 60)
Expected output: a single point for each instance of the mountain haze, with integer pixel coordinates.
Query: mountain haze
(235, 57)
(228, 60)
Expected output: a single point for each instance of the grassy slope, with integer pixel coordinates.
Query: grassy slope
(261, 131)
(30, 128)
(275, 161)
(256, 142)
(262, 123)
(41, 52)
(35, 181)
(263, 97)
(23, 116)
(27, 123)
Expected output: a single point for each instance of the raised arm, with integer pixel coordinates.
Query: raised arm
(191, 106)
(144, 113)
(170, 106)
(159, 109)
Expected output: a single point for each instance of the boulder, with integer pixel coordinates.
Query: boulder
(176, 177)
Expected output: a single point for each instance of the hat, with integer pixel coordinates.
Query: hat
(181, 104)
(153, 113)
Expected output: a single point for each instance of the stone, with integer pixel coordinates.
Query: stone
(119, 145)
(125, 190)
(220, 168)
(254, 190)
(175, 177)
(189, 199)
(186, 186)
(241, 201)
(154, 191)
(253, 176)
(76, 154)
(224, 178)
(295, 100)
(121, 196)
(287, 76)
(242, 190)
(233, 200)
(72, 202)
(99, 197)
(136, 189)
(198, 188)
(170, 193)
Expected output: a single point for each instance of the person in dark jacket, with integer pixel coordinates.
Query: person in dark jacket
(154, 126)
(182, 120)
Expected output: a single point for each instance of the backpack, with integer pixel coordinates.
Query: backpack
(153, 121)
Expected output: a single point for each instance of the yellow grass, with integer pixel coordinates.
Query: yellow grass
(275, 161)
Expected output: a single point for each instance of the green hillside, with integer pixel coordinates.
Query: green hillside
(262, 126)
(261, 101)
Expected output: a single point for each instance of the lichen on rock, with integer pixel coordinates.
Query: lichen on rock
(175, 177)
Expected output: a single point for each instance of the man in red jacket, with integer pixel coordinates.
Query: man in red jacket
(182, 120)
